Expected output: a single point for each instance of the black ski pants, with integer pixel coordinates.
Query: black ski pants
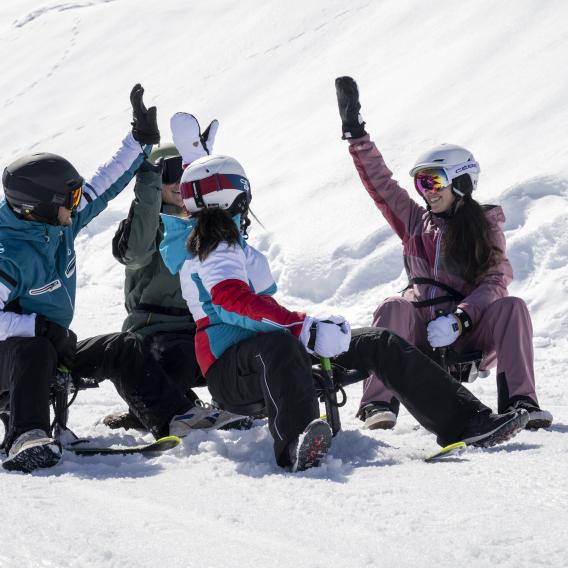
(28, 367)
(27, 370)
(274, 368)
(175, 352)
(440, 403)
(127, 360)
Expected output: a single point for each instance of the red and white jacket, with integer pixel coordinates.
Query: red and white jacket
(230, 297)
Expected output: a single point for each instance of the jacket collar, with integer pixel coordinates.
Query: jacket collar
(14, 227)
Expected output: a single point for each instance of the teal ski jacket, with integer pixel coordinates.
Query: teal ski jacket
(37, 260)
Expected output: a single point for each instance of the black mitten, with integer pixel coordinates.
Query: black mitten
(353, 125)
(144, 124)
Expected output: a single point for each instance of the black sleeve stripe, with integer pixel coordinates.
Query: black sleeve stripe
(8, 278)
(87, 192)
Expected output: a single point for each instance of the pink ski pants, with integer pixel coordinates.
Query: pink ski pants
(504, 335)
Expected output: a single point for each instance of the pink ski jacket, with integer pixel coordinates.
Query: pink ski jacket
(421, 234)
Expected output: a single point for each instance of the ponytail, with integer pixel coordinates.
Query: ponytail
(213, 227)
(466, 244)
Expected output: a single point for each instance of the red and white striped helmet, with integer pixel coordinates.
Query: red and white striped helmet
(215, 181)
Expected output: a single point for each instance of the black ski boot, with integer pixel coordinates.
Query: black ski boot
(486, 430)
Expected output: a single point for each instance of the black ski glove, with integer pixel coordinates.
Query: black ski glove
(353, 125)
(144, 123)
(64, 340)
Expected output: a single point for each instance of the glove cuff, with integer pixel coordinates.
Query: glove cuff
(354, 130)
(147, 166)
(307, 336)
(464, 320)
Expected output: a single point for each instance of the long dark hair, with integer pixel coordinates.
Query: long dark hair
(213, 227)
(466, 245)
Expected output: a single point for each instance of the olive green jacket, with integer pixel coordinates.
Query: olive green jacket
(153, 296)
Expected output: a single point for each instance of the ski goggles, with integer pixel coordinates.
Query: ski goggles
(437, 178)
(431, 179)
(73, 198)
(172, 169)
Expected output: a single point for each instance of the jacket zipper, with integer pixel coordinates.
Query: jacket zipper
(436, 261)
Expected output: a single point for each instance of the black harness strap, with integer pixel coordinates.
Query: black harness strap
(453, 295)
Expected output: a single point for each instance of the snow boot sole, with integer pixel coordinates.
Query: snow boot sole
(124, 420)
(381, 421)
(539, 419)
(32, 458)
(501, 433)
(313, 445)
(240, 424)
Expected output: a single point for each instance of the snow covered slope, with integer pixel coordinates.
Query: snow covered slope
(488, 75)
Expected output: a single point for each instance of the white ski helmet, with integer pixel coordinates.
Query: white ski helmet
(215, 181)
(456, 161)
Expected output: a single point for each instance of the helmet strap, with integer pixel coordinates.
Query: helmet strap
(197, 195)
(43, 213)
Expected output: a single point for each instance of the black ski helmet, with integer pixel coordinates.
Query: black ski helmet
(39, 184)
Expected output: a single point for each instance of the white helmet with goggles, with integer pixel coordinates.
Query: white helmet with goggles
(444, 164)
(215, 181)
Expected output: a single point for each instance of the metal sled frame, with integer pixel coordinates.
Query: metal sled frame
(464, 367)
(63, 392)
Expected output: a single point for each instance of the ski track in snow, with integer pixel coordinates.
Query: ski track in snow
(33, 16)
(266, 71)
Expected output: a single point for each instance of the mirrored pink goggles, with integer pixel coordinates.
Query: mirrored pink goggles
(431, 179)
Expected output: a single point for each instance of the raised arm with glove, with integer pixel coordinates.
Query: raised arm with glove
(144, 123)
(188, 138)
(352, 123)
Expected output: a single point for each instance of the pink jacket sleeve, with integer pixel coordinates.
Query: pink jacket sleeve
(402, 213)
(495, 282)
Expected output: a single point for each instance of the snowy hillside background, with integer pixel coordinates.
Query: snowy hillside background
(487, 75)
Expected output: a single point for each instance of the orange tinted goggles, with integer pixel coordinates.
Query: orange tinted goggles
(74, 198)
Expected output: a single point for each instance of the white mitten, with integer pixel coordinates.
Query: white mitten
(444, 330)
(326, 338)
(189, 140)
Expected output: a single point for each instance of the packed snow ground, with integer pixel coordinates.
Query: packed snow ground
(487, 75)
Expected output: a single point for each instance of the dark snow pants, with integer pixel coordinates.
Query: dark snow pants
(27, 370)
(175, 352)
(276, 368)
(440, 403)
(127, 360)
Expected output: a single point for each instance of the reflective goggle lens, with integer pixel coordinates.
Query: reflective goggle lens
(432, 179)
(172, 169)
(75, 197)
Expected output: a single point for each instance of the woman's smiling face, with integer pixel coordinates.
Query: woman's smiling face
(440, 200)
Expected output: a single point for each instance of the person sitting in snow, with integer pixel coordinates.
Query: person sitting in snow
(47, 202)
(157, 312)
(454, 255)
(252, 350)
